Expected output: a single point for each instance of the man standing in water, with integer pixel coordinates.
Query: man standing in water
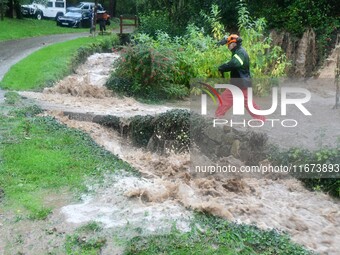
(238, 67)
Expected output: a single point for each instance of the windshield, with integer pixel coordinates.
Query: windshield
(80, 5)
(73, 14)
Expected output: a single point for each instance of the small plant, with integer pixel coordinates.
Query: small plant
(12, 98)
(78, 244)
(320, 160)
(28, 111)
(267, 61)
(91, 227)
(85, 240)
(214, 20)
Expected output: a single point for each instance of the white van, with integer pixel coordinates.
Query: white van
(52, 9)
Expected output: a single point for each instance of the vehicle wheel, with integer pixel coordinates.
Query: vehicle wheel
(59, 14)
(39, 15)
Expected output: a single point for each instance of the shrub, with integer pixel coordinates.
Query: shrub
(266, 61)
(154, 22)
(147, 72)
(322, 157)
(161, 66)
(12, 97)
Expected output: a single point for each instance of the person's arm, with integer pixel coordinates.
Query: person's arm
(235, 63)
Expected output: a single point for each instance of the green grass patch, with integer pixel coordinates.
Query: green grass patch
(52, 63)
(87, 239)
(23, 28)
(215, 236)
(39, 155)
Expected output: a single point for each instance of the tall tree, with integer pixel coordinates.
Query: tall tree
(112, 8)
(2, 9)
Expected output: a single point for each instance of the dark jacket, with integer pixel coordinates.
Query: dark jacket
(238, 67)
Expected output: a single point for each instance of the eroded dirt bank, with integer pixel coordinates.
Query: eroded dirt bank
(313, 219)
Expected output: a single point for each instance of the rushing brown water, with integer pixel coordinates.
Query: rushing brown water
(168, 187)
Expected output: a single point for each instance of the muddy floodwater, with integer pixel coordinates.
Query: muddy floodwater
(167, 191)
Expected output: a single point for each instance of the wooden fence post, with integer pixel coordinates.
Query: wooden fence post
(337, 73)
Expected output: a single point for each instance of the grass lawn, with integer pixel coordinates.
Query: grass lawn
(21, 28)
(39, 155)
(49, 64)
(15, 28)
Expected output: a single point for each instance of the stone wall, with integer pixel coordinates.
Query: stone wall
(157, 134)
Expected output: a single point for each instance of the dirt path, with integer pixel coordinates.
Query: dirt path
(167, 186)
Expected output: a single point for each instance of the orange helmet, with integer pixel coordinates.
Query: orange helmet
(232, 38)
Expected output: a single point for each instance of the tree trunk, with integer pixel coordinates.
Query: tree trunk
(337, 75)
(2, 9)
(17, 8)
(112, 8)
(10, 9)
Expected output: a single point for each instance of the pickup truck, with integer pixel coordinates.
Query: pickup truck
(52, 9)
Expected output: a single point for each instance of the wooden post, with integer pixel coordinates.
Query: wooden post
(121, 24)
(135, 21)
(337, 77)
(337, 73)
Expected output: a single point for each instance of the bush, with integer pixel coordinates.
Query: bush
(156, 21)
(323, 157)
(161, 66)
(147, 72)
(266, 61)
(12, 97)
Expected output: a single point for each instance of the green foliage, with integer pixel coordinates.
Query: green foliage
(169, 127)
(141, 129)
(213, 235)
(27, 111)
(266, 61)
(161, 66)
(147, 71)
(86, 240)
(214, 21)
(80, 245)
(173, 126)
(154, 22)
(181, 13)
(12, 98)
(296, 16)
(91, 227)
(311, 161)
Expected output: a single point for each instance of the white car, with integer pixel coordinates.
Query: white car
(52, 9)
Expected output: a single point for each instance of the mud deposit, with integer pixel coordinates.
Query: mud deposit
(167, 187)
